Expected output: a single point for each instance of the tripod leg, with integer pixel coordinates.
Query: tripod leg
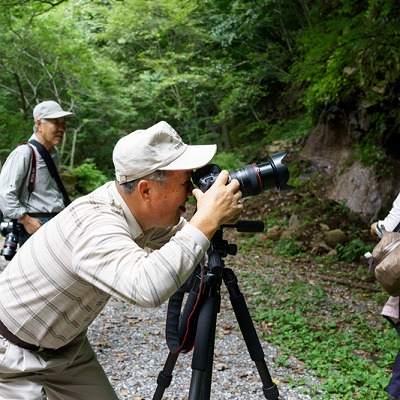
(207, 379)
(249, 334)
(203, 353)
(165, 376)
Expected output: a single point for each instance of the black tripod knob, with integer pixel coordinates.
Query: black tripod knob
(232, 249)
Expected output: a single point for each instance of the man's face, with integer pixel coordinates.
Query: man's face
(169, 200)
(51, 131)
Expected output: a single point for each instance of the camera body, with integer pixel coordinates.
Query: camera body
(10, 229)
(253, 178)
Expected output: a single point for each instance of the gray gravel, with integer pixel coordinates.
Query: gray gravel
(131, 346)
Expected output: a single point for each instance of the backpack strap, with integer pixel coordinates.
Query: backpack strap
(52, 169)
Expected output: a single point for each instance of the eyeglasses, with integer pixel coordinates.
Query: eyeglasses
(59, 122)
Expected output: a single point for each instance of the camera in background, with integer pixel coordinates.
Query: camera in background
(10, 229)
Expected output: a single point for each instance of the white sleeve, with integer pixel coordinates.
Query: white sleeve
(393, 218)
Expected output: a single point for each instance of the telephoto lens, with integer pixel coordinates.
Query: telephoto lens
(253, 178)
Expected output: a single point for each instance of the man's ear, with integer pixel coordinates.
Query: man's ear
(144, 189)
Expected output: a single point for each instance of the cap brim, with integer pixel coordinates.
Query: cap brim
(193, 157)
(59, 114)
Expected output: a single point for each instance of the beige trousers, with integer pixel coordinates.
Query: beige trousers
(70, 373)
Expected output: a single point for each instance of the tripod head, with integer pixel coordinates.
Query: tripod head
(220, 248)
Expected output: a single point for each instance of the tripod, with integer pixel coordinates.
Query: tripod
(202, 306)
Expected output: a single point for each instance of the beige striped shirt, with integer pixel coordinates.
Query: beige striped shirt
(94, 249)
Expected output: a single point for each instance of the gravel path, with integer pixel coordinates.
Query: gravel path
(131, 346)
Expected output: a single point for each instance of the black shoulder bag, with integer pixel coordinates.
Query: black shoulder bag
(52, 169)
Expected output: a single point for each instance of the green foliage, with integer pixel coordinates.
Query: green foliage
(88, 177)
(227, 160)
(289, 247)
(351, 251)
(237, 73)
(290, 129)
(45, 56)
(369, 148)
(13, 132)
(350, 59)
(352, 362)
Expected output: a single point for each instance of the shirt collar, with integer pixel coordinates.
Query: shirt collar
(52, 151)
(134, 227)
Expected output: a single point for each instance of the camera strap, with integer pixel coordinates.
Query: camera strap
(181, 329)
(32, 172)
(52, 169)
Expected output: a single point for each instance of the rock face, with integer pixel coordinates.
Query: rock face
(362, 192)
(330, 150)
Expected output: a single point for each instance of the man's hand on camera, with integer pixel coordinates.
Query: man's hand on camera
(218, 205)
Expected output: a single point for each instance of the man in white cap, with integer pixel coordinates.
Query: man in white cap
(28, 191)
(66, 273)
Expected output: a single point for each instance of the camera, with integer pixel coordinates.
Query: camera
(253, 178)
(10, 230)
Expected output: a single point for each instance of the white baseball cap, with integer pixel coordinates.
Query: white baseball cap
(49, 109)
(159, 147)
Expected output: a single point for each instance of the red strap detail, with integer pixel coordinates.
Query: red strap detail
(32, 173)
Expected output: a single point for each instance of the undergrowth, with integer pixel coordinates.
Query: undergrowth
(350, 355)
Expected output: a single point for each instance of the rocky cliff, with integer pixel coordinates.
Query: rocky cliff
(364, 190)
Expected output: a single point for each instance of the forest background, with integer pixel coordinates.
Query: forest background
(254, 77)
(242, 74)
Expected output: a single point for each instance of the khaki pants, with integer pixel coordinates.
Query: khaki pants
(70, 373)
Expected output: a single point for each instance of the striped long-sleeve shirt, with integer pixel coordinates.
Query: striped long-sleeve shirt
(63, 276)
